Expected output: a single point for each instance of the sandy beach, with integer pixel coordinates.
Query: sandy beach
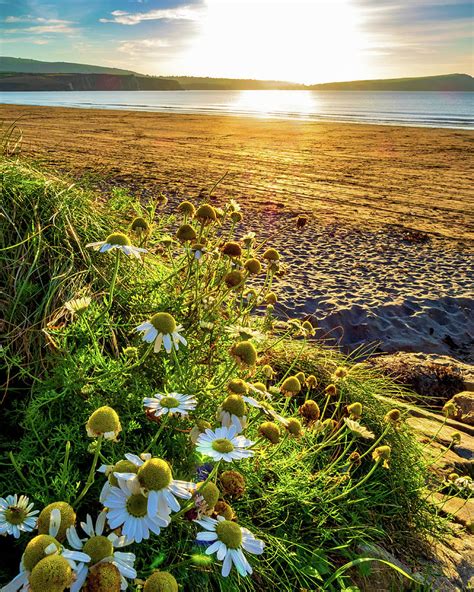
(387, 253)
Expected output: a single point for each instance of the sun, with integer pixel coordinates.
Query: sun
(296, 40)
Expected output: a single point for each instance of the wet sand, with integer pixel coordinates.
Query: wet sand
(387, 253)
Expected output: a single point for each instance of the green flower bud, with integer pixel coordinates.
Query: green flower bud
(209, 492)
(355, 410)
(35, 550)
(244, 354)
(186, 233)
(163, 323)
(206, 214)
(154, 474)
(238, 387)
(236, 217)
(234, 279)
(232, 249)
(140, 225)
(310, 410)
(235, 405)
(291, 386)
(293, 427)
(271, 255)
(271, 298)
(253, 266)
(186, 208)
(118, 238)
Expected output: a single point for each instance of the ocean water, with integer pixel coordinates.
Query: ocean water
(429, 109)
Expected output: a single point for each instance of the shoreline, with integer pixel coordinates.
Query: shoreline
(389, 243)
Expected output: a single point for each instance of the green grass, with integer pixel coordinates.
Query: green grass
(304, 497)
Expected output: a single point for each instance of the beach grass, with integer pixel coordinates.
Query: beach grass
(325, 490)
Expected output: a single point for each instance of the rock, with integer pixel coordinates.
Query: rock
(462, 510)
(437, 378)
(435, 430)
(464, 403)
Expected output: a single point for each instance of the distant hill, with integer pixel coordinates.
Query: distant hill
(63, 82)
(8, 64)
(22, 74)
(448, 82)
(202, 83)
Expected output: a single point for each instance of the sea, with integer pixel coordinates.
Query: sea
(427, 109)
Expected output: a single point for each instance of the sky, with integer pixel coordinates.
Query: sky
(307, 41)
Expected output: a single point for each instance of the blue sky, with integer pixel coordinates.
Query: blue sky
(301, 40)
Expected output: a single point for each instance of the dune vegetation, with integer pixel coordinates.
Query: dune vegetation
(171, 432)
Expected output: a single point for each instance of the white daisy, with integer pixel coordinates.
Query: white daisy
(162, 329)
(127, 508)
(16, 515)
(78, 305)
(224, 444)
(101, 549)
(117, 240)
(229, 540)
(154, 480)
(76, 559)
(172, 403)
(357, 429)
(240, 332)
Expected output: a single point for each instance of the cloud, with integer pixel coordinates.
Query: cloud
(143, 46)
(183, 13)
(31, 19)
(43, 29)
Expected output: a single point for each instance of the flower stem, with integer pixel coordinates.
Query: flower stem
(91, 477)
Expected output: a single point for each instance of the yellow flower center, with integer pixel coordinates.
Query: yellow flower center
(118, 238)
(229, 533)
(98, 548)
(163, 323)
(169, 402)
(137, 505)
(155, 474)
(222, 445)
(15, 515)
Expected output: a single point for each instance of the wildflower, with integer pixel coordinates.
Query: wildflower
(122, 466)
(186, 233)
(140, 226)
(311, 381)
(186, 208)
(155, 480)
(128, 509)
(355, 410)
(245, 354)
(78, 305)
(237, 387)
(199, 428)
(206, 214)
(245, 333)
(301, 377)
(271, 298)
(307, 329)
(259, 387)
(206, 497)
(358, 430)
(100, 549)
(248, 239)
(16, 515)
(450, 409)
(340, 372)
(232, 249)
(234, 279)
(162, 329)
(120, 241)
(199, 250)
(271, 255)
(104, 576)
(456, 438)
(290, 386)
(270, 431)
(382, 453)
(161, 581)
(393, 417)
(104, 422)
(236, 217)
(331, 390)
(268, 371)
(234, 206)
(224, 509)
(44, 557)
(310, 410)
(173, 403)
(203, 471)
(224, 444)
(55, 519)
(228, 540)
(293, 427)
(233, 483)
(253, 266)
(233, 411)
